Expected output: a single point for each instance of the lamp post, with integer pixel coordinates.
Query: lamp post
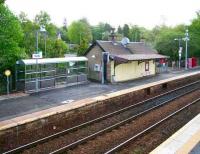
(43, 30)
(186, 39)
(37, 55)
(179, 51)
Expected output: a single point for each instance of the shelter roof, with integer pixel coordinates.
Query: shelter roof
(51, 60)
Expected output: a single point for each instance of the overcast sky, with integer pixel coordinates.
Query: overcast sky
(147, 13)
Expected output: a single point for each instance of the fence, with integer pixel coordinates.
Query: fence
(175, 64)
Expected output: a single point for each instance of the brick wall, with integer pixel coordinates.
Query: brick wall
(97, 52)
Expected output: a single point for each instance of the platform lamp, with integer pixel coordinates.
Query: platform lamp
(186, 39)
(42, 29)
(179, 51)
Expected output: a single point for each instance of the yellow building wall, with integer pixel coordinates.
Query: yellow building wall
(131, 70)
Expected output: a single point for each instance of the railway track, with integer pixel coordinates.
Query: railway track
(117, 118)
(145, 131)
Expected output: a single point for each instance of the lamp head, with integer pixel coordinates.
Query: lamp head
(42, 28)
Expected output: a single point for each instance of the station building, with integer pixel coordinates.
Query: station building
(112, 61)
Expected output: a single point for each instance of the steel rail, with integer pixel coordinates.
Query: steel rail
(64, 132)
(121, 145)
(110, 128)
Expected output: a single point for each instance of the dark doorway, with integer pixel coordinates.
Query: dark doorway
(105, 61)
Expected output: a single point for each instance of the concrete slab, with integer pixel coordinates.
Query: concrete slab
(183, 141)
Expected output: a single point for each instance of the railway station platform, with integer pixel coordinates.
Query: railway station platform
(19, 111)
(185, 141)
(28, 104)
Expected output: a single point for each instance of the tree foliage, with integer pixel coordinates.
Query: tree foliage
(194, 43)
(30, 29)
(79, 32)
(2, 1)
(101, 31)
(42, 18)
(14, 41)
(11, 35)
(165, 43)
(59, 48)
(126, 30)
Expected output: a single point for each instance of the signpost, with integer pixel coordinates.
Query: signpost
(37, 56)
(7, 74)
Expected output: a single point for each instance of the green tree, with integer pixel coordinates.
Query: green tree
(58, 49)
(30, 30)
(126, 30)
(23, 17)
(165, 43)
(29, 39)
(79, 32)
(42, 18)
(194, 43)
(119, 30)
(107, 27)
(64, 34)
(97, 31)
(134, 33)
(2, 1)
(10, 38)
(101, 31)
(105, 35)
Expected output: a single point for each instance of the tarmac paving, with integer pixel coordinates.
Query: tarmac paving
(13, 107)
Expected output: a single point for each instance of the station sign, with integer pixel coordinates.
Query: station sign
(37, 55)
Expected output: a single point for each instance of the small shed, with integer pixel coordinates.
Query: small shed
(33, 75)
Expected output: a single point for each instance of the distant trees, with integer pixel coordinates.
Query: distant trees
(54, 47)
(194, 31)
(165, 43)
(42, 18)
(11, 36)
(119, 30)
(134, 33)
(126, 30)
(20, 41)
(79, 33)
(98, 31)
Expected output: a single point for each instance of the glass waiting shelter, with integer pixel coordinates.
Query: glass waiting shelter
(34, 75)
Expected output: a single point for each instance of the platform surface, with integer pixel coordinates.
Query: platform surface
(185, 141)
(11, 108)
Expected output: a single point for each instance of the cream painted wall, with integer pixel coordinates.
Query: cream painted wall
(131, 70)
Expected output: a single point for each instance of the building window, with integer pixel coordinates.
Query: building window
(146, 65)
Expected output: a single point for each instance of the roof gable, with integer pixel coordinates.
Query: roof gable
(116, 48)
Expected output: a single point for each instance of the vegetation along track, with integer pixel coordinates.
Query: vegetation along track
(70, 138)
